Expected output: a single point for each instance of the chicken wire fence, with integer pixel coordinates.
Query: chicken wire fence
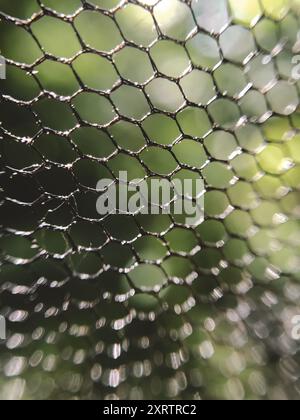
(136, 306)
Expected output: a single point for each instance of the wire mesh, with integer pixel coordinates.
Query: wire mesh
(146, 307)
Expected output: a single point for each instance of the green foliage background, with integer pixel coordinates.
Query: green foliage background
(77, 333)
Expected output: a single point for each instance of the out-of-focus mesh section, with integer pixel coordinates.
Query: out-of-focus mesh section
(145, 307)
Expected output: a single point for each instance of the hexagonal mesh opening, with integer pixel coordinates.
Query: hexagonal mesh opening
(144, 306)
